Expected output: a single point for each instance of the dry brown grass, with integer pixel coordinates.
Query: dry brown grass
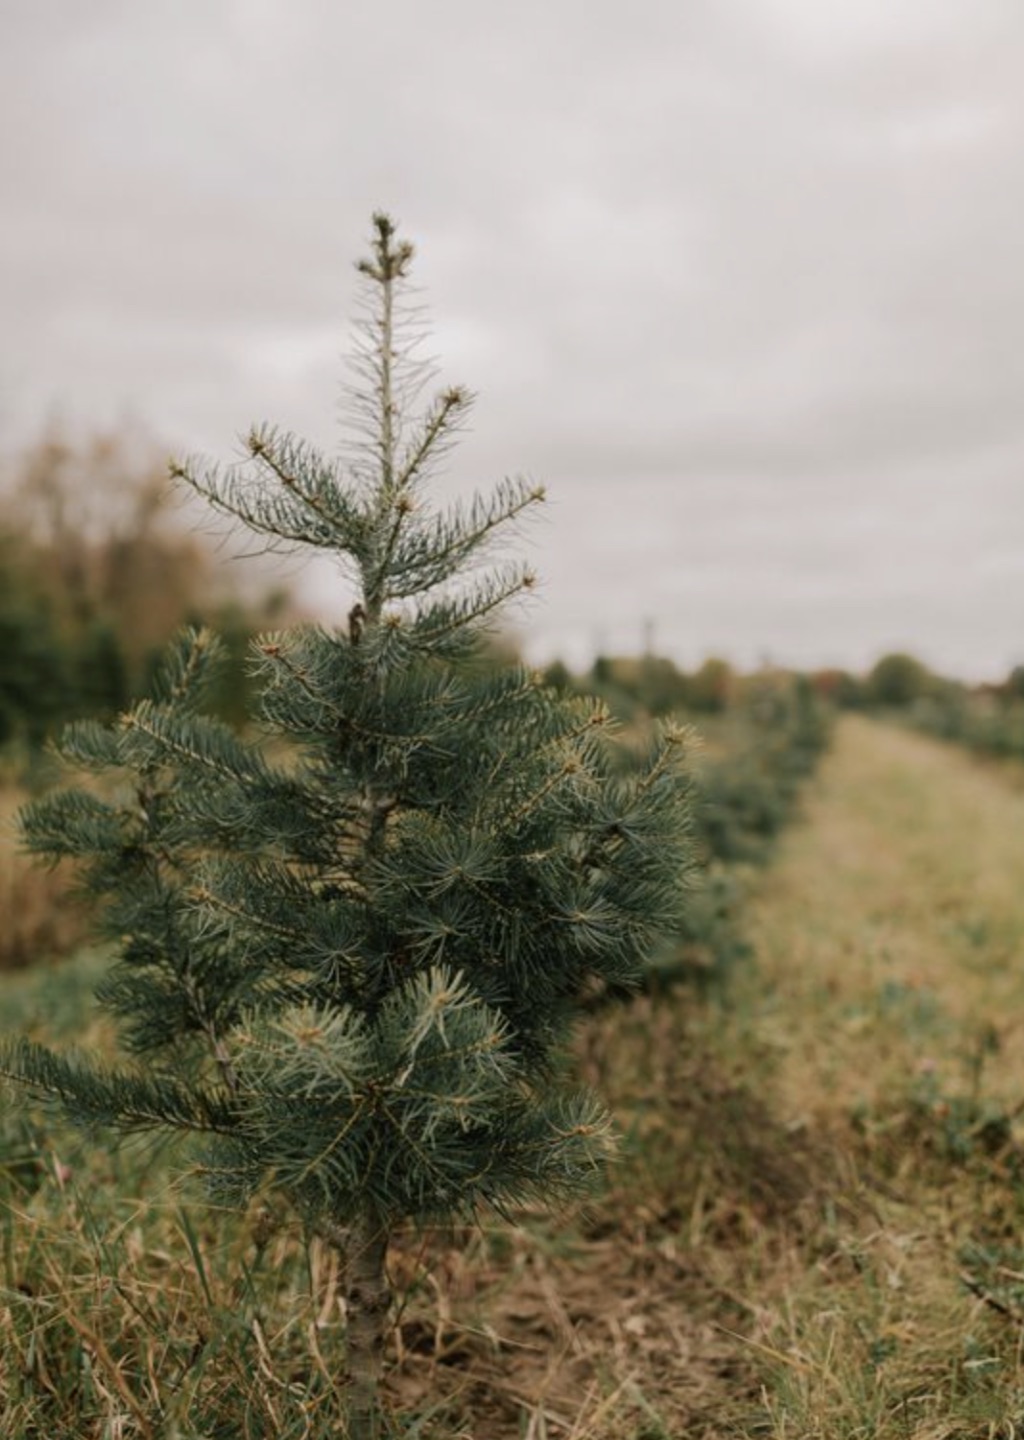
(616, 1323)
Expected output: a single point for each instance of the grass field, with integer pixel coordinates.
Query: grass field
(816, 1230)
(888, 1006)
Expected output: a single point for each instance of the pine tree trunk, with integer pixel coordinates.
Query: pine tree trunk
(367, 1299)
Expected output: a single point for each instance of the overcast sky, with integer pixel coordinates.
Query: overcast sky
(742, 281)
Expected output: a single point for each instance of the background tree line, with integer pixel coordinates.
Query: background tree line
(98, 567)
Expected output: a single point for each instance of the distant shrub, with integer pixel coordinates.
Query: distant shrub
(898, 680)
(96, 574)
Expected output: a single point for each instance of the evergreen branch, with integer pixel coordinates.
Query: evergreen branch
(485, 892)
(89, 744)
(596, 719)
(451, 402)
(224, 496)
(375, 582)
(275, 652)
(126, 1101)
(204, 895)
(512, 693)
(260, 442)
(434, 626)
(439, 550)
(204, 742)
(571, 766)
(425, 1158)
(488, 1046)
(298, 936)
(335, 1144)
(672, 738)
(186, 666)
(72, 824)
(279, 657)
(217, 1045)
(280, 518)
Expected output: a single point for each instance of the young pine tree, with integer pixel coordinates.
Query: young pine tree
(347, 955)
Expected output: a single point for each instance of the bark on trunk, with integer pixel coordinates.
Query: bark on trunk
(367, 1300)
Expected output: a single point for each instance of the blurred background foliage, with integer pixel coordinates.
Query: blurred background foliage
(98, 567)
(987, 718)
